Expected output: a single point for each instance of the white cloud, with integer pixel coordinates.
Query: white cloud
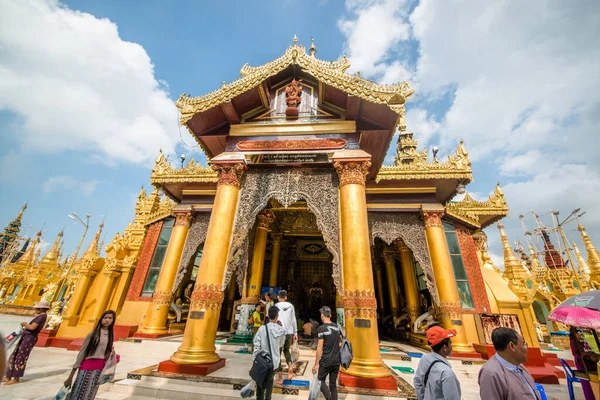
(371, 29)
(523, 79)
(77, 85)
(68, 182)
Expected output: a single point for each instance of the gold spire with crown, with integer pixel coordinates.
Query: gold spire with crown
(583, 269)
(593, 260)
(313, 48)
(516, 273)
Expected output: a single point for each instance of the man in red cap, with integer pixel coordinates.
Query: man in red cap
(434, 378)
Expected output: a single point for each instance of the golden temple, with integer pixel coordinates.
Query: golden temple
(296, 196)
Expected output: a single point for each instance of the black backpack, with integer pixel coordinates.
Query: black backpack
(346, 354)
(262, 366)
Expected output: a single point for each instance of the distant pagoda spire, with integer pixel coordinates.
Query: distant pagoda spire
(552, 257)
(21, 252)
(593, 260)
(10, 234)
(29, 257)
(514, 270)
(583, 269)
(52, 255)
(93, 248)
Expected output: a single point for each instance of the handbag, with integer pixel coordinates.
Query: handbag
(315, 388)
(295, 353)
(262, 366)
(108, 372)
(62, 393)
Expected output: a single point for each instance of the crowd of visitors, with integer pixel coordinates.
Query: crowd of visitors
(503, 377)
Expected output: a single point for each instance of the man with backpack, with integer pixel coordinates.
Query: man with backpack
(270, 344)
(434, 378)
(327, 362)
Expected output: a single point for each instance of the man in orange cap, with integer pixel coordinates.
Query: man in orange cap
(434, 378)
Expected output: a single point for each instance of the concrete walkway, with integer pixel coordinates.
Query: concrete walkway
(49, 367)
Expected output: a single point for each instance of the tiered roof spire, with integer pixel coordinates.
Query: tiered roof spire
(10, 234)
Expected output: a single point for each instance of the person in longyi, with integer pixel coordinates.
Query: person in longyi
(95, 350)
(18, 360)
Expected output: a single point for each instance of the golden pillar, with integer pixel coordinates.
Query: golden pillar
(275, 258)
(198, 346)
(378, 286)
(360, 306)
(450, 308)
(155, 322)
(265, 219)
(409, 277)
(392, 283)
(81, 289)
(108, 276)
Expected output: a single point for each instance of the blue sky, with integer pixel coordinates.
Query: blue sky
(87, 91)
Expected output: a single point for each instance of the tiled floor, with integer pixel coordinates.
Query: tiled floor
(48, 367)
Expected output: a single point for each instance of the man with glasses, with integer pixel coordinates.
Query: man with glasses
(504, 377)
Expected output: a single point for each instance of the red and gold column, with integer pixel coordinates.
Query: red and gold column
(409, 277)
(155, 323)
(198, 346)
(275, 258)
(360, 306)
(450, 308)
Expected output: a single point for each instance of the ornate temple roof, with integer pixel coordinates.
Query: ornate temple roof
(332, 73)
(479, 214)
(457, 166)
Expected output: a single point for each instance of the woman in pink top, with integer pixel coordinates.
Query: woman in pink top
(96, 348)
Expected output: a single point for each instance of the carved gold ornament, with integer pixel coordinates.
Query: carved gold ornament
(432, 219)
(183, 218)
(230, 174)
(352, 172)
(207, 297)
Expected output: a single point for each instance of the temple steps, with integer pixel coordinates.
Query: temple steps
(149, 387)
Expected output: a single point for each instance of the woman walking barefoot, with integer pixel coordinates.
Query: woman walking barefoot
(96, 348)
(18, 360)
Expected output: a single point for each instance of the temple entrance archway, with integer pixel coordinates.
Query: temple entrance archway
(287, 186)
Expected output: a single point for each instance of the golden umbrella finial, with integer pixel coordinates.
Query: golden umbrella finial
(295, 39)
(313, 48)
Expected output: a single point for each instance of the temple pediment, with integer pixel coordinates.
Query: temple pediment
(329, 101)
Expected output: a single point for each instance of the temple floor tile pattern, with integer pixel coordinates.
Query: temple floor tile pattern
(137, 377)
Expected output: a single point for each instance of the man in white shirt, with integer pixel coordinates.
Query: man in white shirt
(287, 317)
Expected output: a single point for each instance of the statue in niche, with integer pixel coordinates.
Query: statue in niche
(424, 320)
(187, 293)
(315, 297)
